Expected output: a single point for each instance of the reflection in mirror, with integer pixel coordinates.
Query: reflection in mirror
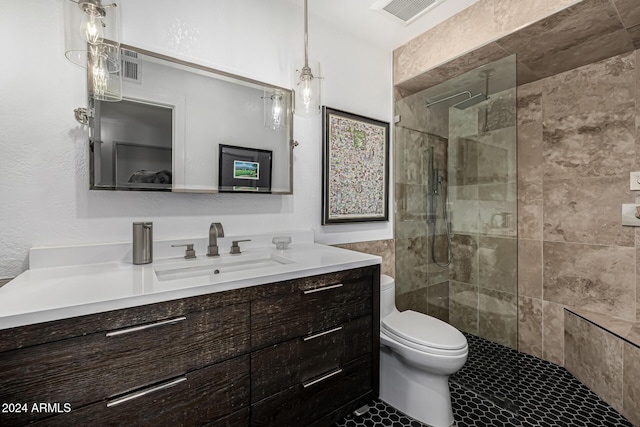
(167, 133)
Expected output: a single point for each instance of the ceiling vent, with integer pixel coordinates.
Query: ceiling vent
(404, 11)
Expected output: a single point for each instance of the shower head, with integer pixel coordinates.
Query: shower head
(466, 92)
(469, 102)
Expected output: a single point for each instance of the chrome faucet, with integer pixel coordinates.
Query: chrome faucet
(215, 231)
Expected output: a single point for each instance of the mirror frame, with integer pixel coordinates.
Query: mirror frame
(290, 114)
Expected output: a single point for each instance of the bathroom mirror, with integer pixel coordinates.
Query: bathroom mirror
(170, 131)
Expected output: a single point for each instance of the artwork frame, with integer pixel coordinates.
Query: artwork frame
(244, 169)
(355, 168)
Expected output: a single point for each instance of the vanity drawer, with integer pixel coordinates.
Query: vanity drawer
(300, 405)
(283, 365)
(95, 367)
(217, 392)
(309, 307)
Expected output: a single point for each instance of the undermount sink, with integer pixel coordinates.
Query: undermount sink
(213, 266)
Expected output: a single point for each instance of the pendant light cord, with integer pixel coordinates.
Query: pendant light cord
(306, 36)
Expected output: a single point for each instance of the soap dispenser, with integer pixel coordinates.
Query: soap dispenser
(142, 242)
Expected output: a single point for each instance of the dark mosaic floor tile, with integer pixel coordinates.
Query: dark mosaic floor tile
(500, 387)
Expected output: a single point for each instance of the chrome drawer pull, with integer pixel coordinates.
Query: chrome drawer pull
(320, 334)
(145, 392)
(322, 378)
(326, 288)
(143, 327)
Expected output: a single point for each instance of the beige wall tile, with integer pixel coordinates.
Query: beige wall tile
(464, 267)
(468, 31)
(553, 332)
(416, 300)
(530, 325)
(631, 384)
(578, 25)
(383, 248)
(634, 33)
(530, 212)
(497, 317)
(592, 277)
(412, 258)
(498, 264)
(587, 210)
(629, 12)
(512, 14)
(530, 268)
(634, 334)
(636, 85)
(530, 149)
(454, 36)
(438, 301)
(637, 275)
(602, 86)
(456, 66)
(463, 306)
(614, 325)
(529, 104)
(588, 145)
(595, 357)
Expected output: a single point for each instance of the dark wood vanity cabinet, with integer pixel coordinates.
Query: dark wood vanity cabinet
(314, 351)
(299, 352)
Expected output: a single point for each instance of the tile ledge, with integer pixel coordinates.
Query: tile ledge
(626, 330)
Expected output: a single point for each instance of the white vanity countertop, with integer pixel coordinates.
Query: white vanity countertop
(53, 293)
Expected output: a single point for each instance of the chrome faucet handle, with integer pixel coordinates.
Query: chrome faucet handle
(189, 253)
(235, 247)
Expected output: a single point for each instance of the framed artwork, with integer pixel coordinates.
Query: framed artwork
(244, 170)
(355, 168)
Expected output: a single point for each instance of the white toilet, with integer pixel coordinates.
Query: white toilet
(418, 353)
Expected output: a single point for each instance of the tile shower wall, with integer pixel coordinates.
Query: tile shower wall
(474, 151)
(478, 25)
(482, 147)
(577, 142)
(420, 284)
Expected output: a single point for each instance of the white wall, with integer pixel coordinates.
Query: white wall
(44, 155)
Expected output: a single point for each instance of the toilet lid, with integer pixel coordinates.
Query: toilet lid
(424, 330)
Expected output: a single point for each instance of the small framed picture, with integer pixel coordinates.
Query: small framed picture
(244, 170)
(355, 168)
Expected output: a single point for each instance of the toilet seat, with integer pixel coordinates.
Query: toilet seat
(424, 333)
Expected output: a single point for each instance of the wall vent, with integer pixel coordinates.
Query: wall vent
(131, 66)
(404, 10)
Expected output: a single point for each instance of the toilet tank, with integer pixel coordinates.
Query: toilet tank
(387, 295)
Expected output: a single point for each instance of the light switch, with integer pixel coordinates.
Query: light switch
(634, 180)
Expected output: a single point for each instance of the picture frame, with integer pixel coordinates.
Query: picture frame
(355, 171)
(244, 169)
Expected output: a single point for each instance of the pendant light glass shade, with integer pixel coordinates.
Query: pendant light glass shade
(276, 110)
(103, 72)
(307, 90)
(92, 41)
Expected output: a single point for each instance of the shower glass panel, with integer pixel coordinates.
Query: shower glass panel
(456, 202)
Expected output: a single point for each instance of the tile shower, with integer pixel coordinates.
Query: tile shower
(577, 141)
(456, 202)
(577, 132)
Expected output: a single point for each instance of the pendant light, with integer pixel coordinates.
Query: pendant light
(307, 86)
(275, 109)
(92, 41)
